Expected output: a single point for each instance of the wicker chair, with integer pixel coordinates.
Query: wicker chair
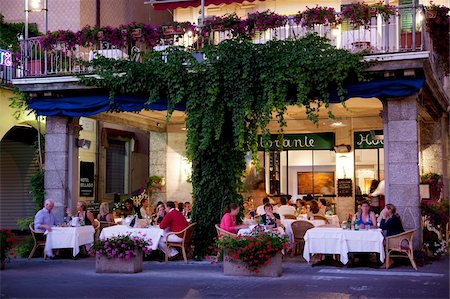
(402, 244)
(320, 217)
(289, 216)
(222, 232)
(39, 240)
(299, 229)
(186, 244)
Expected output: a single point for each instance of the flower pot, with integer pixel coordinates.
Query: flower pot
(273, 269)
(118, 265)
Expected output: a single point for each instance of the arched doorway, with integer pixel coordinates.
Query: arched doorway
(17, 165)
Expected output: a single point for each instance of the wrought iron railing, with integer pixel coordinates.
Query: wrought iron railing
(402, 33)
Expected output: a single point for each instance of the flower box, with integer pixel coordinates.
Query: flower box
(119, 265)
(272, 269)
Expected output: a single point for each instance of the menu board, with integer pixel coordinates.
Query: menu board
(345, 188)
(87, 179)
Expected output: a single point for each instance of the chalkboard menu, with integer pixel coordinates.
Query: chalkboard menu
(345, 188)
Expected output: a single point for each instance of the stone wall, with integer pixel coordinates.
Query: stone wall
(157, 164)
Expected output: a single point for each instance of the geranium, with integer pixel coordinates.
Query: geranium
(123, 246)
(262, 21)
(317, 15)
(437, 23)
(385, 10)
(358, 14)
(7, 242)
(253, 250)
(229, 22)
(436, 212)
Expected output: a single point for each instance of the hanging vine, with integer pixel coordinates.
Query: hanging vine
(230, 98)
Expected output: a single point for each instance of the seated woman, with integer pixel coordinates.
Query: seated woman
(145, 209)
(160, 213)
(228, 221)
(366, 217)
(104, 214)
(85, 216)
(270, 218)
(248, 211)
(391, 223)
(315, 210)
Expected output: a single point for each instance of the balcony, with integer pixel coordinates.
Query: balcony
(401, 34)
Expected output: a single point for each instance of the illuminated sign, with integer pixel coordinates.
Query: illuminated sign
(5, 58)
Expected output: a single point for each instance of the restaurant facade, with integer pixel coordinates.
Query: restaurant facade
(392, 130)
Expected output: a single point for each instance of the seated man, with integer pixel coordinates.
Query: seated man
(174, 221)
(285, 208)
(44, 219)
(260, 209)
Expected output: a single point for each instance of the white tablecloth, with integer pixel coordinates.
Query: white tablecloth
(330, 240)
(248, 231)
(69, 237)
(152, 234)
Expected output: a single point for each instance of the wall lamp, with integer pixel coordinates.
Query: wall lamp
(84, 143)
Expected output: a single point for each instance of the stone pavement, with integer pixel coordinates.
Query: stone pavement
(67, 278)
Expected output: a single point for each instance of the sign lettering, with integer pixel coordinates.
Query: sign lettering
(313, 141)
(364, 140)
(5, 58)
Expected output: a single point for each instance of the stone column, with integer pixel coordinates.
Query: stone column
(61, 164)
(401, 161)
(157, 165)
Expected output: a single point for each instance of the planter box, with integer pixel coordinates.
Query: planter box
(273, 269)
(117, 265)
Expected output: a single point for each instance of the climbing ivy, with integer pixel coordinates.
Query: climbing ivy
(230, 98)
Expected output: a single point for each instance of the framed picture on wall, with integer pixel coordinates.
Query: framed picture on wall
(315, 183)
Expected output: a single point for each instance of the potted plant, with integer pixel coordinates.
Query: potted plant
(7, 242)
(262, 21)
(121, 254)
(318, 15)
(228, 22)
(258, 254)
(437, 22)
(385, 10)
(436, 216)
(358, 14)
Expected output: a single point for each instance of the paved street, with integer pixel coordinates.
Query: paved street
(68, 278)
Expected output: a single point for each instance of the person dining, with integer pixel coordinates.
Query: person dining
(285, 208)
(315, 210)
(44, 219)
(145, 209)
(83, 214)
(270, 218)
(228, 221)
(160, 213)
(366, 218)
(187, 210)
(391, 223)
(174, 221)
(104, 215)
(248, 211)
(129, 207)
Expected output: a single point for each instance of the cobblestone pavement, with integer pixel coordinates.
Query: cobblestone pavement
(66, 278)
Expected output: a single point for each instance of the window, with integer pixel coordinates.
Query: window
(117, 166)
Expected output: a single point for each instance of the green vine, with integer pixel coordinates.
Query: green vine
(231, 97)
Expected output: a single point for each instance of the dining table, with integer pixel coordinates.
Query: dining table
(332, 220)
(69, 237)
(152, 234)
(335, 240)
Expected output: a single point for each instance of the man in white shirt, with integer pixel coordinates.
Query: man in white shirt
(285, 208)
(260, 209)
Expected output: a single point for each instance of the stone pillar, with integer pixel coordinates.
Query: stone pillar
(402, 161)
(61, 164)
(157, 165)
(445, 144)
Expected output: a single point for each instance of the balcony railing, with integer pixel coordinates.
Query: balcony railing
(402, 33)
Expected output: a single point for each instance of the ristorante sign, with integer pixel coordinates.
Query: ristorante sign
(5, 58)
(313, 141)
(364, 140)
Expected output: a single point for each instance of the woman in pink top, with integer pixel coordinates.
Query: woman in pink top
(228, 221)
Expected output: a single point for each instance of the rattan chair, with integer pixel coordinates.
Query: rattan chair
(320, 217)
(222, 232)
(289, 216)
(402, 244)
(186, 244)
(39, 240)
(299, 229)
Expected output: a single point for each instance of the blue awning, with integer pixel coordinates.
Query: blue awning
(77, 106)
